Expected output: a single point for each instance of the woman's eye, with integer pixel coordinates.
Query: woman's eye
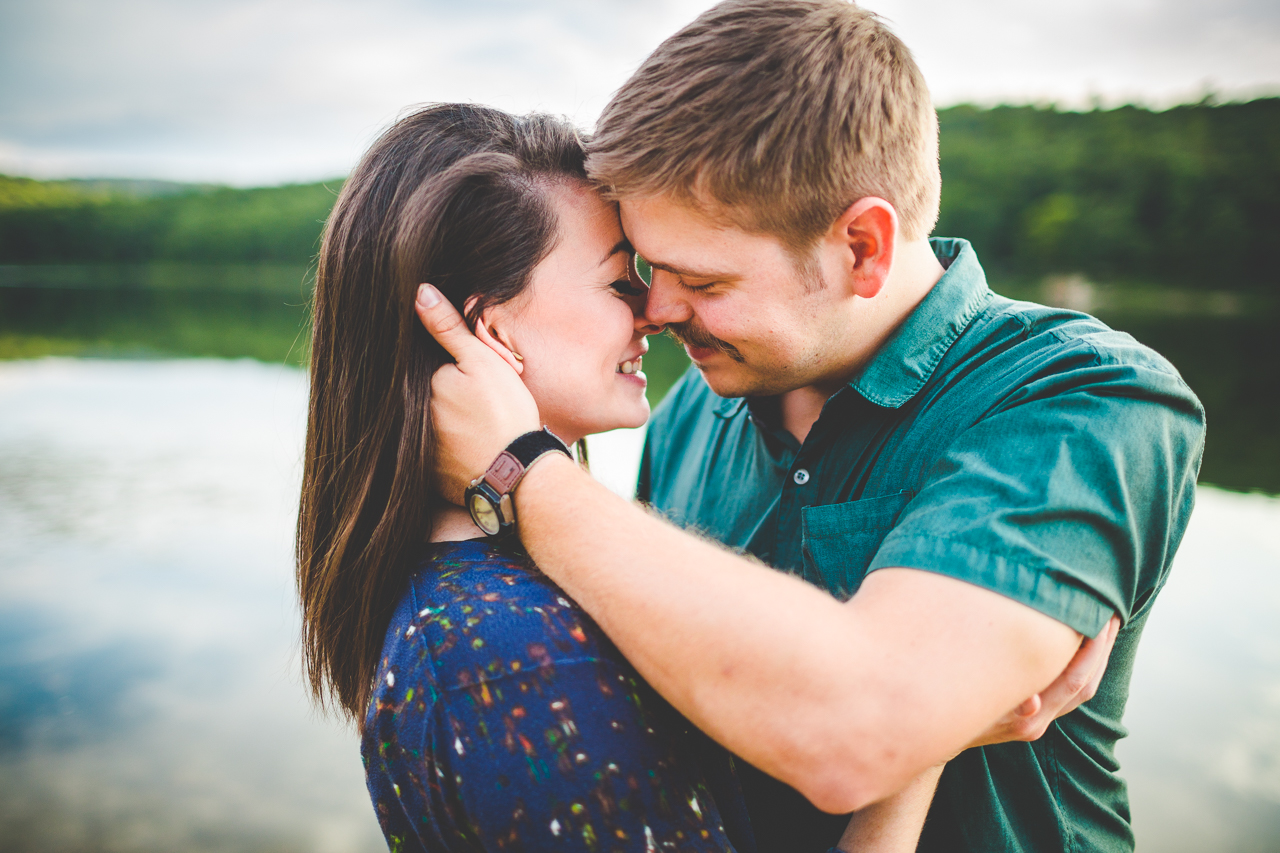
(626, 288)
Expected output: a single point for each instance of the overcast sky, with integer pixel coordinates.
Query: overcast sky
(266, 91)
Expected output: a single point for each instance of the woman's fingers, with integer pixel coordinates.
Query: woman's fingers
(445, 324)
(477, 406)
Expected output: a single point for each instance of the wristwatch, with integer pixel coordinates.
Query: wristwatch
(489, 495)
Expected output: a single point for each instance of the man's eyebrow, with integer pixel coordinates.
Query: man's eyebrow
(623, 245)
(691, 273)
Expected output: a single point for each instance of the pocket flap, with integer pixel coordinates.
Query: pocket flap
(839, 540)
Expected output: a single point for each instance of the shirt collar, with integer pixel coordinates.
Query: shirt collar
(907, 360)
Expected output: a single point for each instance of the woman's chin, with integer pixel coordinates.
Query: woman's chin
(640, 416)
(638, 422)
(634, 419)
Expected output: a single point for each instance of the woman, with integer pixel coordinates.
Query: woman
(495, 715)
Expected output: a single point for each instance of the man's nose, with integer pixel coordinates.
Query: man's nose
(665, 304)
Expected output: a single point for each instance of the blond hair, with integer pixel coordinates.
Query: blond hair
(776, 115)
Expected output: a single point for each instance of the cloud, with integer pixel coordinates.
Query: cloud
(1152, 51)
(252, 91)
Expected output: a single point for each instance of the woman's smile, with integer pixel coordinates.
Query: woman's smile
(582, 331)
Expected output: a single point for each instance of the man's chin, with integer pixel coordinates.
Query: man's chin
(729, 378)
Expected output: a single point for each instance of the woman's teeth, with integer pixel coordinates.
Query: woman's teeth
(630, 367)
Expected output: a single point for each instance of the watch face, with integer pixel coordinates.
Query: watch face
(484, 514)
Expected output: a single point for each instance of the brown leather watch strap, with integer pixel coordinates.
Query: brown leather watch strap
(504, 473)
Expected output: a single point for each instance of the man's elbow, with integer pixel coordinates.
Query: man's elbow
(837, 796)
(837, 784)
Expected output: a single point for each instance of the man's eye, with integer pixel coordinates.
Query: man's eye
(698, 287)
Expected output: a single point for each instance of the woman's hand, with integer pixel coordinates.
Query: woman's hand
(478, 405)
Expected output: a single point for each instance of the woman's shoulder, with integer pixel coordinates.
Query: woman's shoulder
(503, 718)
(476, 611)
(472, 572)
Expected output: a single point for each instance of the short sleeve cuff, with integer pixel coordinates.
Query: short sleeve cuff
(1036, 588)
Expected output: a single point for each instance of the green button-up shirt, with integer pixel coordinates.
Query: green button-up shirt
(1030, 450)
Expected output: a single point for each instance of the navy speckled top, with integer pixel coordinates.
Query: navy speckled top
(504, 719)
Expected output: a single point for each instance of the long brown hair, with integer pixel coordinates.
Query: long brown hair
(454, 195)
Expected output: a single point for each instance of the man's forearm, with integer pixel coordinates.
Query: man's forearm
(846, 702)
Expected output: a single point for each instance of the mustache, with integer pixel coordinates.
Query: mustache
(691, 334)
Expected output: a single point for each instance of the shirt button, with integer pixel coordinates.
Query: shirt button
(801, 476)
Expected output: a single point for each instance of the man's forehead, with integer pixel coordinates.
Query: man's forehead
(669, 208)
(677, 238)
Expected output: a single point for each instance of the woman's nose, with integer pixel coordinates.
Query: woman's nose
(644, 327)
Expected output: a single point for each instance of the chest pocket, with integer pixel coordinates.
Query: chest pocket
(839, 540)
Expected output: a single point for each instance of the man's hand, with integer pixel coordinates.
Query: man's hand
(478, 405)
(1077, 685)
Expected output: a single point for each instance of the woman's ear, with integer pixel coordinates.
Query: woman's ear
(493, 338)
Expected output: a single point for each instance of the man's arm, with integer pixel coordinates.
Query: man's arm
(894, 824)
(846, 702)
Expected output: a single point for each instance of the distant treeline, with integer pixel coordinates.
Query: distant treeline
(1188, 195)
(139, 221)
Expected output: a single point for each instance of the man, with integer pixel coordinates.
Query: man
(979, 483)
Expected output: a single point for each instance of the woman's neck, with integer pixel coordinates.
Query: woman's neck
(454, 524)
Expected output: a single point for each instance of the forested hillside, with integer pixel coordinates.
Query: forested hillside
(107, 221)
(1186, 195)
(1190, 195)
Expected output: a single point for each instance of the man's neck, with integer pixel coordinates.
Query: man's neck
(915, 271)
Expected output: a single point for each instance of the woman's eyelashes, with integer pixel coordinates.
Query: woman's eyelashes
(626, 288)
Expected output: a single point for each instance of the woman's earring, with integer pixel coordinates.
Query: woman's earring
(517, 356)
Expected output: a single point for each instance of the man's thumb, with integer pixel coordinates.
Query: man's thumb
(442, 320)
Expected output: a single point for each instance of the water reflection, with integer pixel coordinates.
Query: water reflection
(148, 685)
(1203, 760)
(70, 696)
(150, 323)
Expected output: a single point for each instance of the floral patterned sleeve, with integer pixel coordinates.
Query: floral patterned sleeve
(504, 720)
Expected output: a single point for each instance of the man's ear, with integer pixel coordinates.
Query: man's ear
(867, 233)
(492, 337)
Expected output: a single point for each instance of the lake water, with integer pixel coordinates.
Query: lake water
(149, 690)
